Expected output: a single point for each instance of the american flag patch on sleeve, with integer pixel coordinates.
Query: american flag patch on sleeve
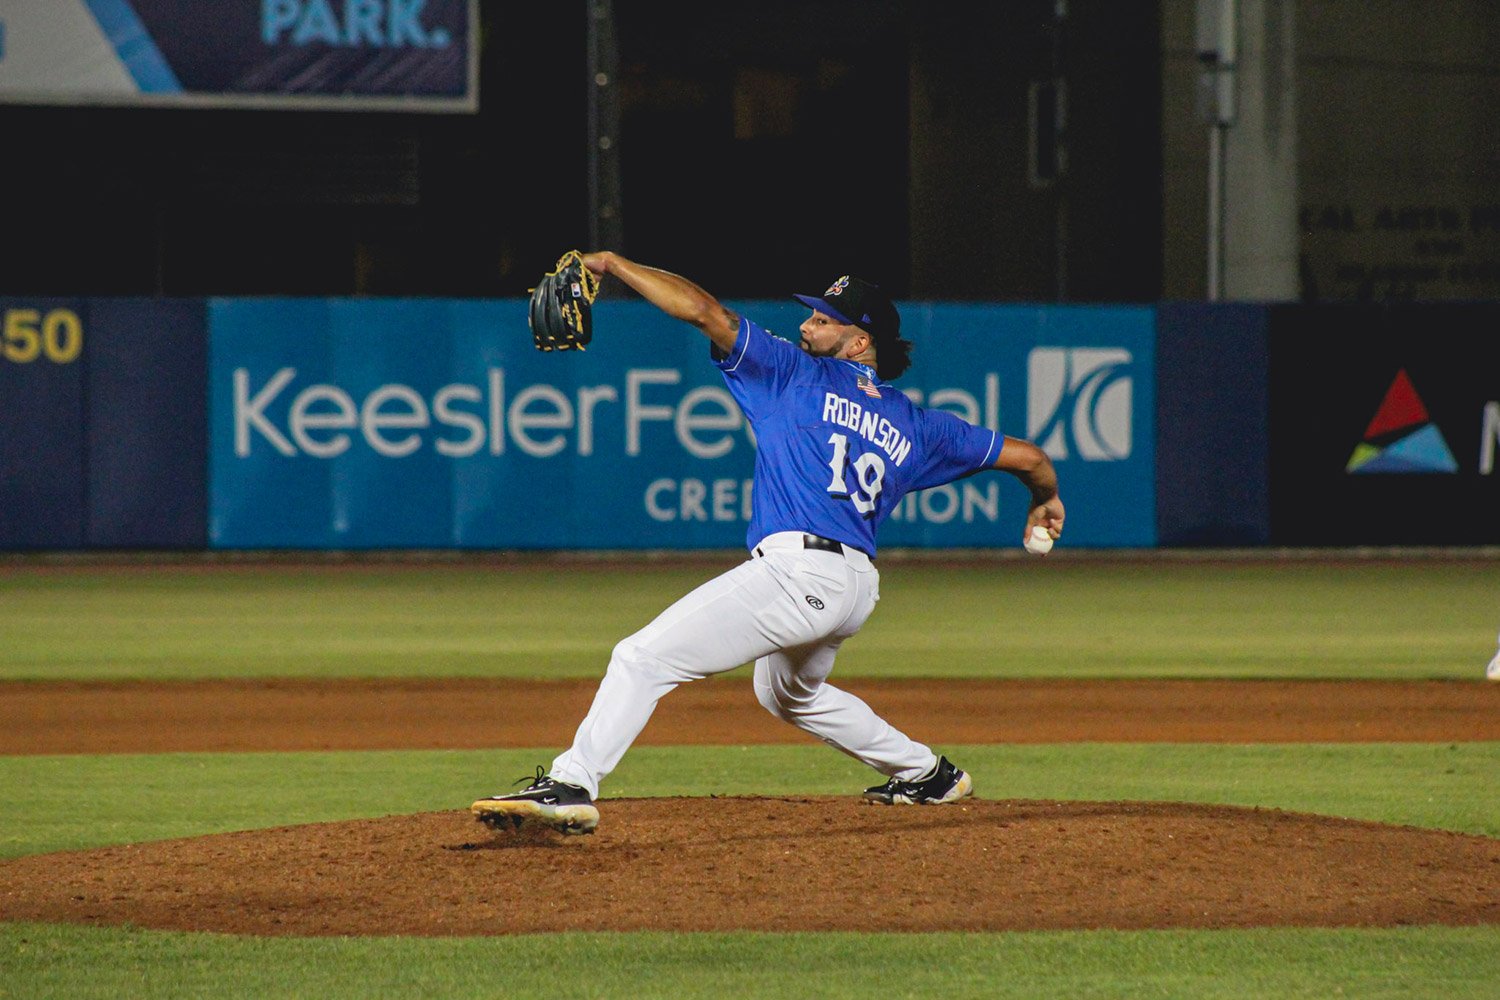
(868, 388)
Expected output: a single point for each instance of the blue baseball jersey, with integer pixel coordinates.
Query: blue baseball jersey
(837, 448)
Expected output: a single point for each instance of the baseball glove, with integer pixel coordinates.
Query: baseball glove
(562, 305)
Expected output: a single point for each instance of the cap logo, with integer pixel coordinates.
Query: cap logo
(837, 288)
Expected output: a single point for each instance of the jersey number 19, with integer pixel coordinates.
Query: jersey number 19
(869, 470)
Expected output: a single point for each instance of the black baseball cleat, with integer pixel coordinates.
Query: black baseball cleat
(546, 800)
(945, 783)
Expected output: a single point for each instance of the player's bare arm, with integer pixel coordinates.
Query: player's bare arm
(672, 294)
(1034, 469)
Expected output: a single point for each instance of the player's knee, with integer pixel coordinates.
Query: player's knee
(627, 655)
(631, 657)
(766, 695)
(779, 703)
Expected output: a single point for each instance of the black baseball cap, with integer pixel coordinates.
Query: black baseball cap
(856, 302)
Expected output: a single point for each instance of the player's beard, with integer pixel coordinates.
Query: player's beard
(833, 350)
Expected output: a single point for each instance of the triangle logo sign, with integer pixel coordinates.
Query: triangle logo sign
(1401, 437)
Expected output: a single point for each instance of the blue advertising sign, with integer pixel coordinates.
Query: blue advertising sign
(343, 54)
(1077, 380)
(433, 423)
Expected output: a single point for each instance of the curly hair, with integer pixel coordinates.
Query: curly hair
(892, 357)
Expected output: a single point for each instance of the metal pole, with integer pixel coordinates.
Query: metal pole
(1060, 236)
(1218, 51)
(606, 225)
(1216, 137)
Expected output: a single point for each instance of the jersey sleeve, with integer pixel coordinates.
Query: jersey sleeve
(952, 448)
(761, 358)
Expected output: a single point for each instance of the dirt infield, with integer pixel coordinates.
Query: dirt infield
(42, 717)
(761, 863)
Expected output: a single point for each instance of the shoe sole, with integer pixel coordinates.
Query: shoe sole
(570, 819)
(962, 788)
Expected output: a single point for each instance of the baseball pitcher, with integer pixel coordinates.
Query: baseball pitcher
(838, 446)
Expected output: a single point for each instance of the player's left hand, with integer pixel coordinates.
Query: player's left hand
(561, 316)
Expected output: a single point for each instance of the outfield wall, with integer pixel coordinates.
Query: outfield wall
(102, 429)
(366, 424)
(1385, 424)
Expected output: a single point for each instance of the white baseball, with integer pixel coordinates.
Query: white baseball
(1039, 542)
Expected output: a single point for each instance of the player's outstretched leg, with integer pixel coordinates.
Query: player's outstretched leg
(945, 783)
(547, 801)
(791, 685)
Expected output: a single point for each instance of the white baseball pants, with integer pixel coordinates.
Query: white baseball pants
(789, 609)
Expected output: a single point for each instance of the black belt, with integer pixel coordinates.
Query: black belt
(816, 542)
(822, 544)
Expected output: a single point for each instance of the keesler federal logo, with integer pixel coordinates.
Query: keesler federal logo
(1079, 402)
(1401, 437)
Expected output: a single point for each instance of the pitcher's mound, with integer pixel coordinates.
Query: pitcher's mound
(780, 864)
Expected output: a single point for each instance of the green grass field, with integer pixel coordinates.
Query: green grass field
(1423, 619)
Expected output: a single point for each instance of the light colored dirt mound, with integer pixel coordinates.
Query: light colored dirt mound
(780, 864)
(78, 717)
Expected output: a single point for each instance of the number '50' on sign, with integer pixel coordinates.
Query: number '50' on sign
(28, 334)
